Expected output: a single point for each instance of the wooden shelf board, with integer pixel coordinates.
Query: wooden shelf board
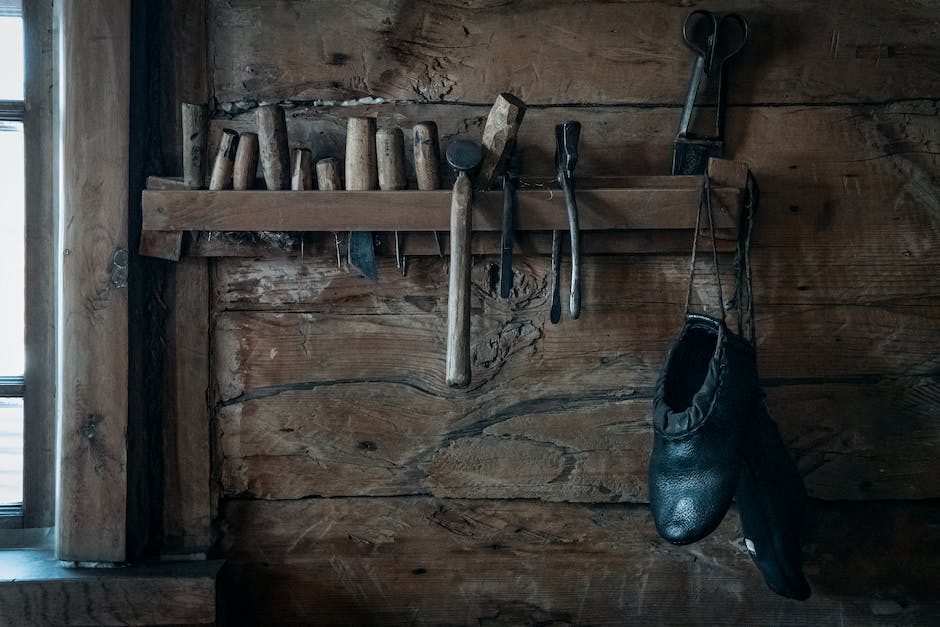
(539, 210)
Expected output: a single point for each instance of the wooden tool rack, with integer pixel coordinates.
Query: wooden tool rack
(628, 215)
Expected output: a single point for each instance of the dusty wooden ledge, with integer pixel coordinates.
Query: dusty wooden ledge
(35, 589)
(652, 204)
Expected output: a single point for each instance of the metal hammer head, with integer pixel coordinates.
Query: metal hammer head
(463, 154)
(566, 146)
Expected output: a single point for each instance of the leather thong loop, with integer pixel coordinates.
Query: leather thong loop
(705, 204)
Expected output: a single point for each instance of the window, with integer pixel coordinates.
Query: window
(12, 262)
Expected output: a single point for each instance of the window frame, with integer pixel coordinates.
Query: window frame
(37, 385)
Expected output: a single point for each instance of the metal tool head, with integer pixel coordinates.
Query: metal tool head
(715, 37)
(463, 154)
(567, 136)
(362, 254)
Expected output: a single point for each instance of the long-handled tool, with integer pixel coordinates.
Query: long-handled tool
(361, 175)
(464, 155)
(427, 156)
(567, 136)
(715, 39)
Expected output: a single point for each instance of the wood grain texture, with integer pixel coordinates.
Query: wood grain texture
(648, 205)
(186, 428)
(93, 372)
(378, 439)
(553, 53)
(429, 561)
(36, 590)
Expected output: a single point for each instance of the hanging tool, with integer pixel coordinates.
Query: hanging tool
(195, 125)
(464, 155)
(507, 241)
(390, 155)
(567, 136)
(427, 156)
(499, 138)
(246, 162)
(361, 175)
(328, 181)
(273, 148)
(301, 178)
(715, 39)
(224, 161)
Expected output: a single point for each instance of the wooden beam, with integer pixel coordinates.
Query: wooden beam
(445, 561)
(186, 499)
(93, 368)
(36, 590)
(408, 210)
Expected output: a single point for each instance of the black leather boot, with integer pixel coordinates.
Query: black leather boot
(704, 397)
(771, 500)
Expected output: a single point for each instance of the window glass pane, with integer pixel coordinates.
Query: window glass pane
(11, 451)
(11, 249)
(11, 51)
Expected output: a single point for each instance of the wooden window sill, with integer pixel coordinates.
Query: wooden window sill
(35, 589)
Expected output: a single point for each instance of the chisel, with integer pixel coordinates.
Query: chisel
(427, 155)
(361, 175)
(390, 156)
(328, 181)
(273, 148)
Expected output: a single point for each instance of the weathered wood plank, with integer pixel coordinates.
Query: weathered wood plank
(316, 284)
(36, 590)
(428, 561)
(599, 209)
(606, 348)
(596, 52)
(93, 396)
(381, 439)
(186, 432)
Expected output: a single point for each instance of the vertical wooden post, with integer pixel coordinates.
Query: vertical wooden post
(93, 258)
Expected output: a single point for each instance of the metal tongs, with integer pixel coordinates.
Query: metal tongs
(715, 38)
(566, 158)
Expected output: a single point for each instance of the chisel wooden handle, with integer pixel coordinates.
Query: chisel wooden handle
(301, 176)
(458, 302)
(224, 161)
(328, 175)
(246, 162)
(390, 155)
(361, 172)
(427, 154)
(272, 141)
(194, 118)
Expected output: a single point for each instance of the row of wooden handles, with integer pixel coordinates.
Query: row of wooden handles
(375, 159)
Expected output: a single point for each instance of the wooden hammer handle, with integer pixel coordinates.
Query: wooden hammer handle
(458, 301)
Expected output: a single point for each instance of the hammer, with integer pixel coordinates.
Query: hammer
(464, 155)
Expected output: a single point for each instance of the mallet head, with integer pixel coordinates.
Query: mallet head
(463, 154)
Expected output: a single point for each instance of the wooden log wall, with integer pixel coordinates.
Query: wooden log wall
(354, 486)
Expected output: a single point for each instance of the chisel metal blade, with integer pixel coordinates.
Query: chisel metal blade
(362, 254)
